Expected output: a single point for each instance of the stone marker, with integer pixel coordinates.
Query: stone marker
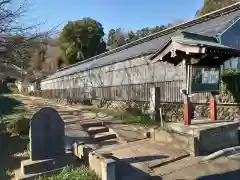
(46, 134)
(47, 146)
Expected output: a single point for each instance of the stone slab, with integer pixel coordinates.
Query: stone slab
(210, 136)
(151, 154)
(34, 167)
(178, 140)
(199, 125)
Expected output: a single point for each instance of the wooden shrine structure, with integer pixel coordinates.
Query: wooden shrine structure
(202, 57)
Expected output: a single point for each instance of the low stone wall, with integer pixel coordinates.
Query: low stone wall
(143, 106)
(198, 139)
(174, 112)
(102, 164)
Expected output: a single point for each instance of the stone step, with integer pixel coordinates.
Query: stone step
(97, 130)
(104, 136)
(91, 124)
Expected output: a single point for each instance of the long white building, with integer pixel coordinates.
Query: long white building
(126, 73)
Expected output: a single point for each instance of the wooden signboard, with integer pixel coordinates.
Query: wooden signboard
(203, 79)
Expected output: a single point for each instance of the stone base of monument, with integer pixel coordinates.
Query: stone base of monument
(200, 138)
(31, 169)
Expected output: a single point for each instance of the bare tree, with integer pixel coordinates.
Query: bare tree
(17, 41)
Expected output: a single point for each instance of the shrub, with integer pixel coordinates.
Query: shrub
(230, 85)
(13, 88)
(19, 126)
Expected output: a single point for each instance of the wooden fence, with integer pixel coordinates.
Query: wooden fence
(170, 92)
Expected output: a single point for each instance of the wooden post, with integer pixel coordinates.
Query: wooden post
(213, 107)
(187, 110)
(186, 106)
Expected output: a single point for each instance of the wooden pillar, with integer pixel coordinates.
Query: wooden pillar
(187, 111)
(213, 107)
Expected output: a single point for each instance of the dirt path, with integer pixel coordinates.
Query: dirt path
(75, 116)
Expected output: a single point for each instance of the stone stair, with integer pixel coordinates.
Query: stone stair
(91, 124)
(96, 130)
(104, 136)
(100, 133)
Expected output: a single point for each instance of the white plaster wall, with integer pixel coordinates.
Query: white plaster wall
(135, 71)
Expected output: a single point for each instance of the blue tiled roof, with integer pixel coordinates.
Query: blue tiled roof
(210, 25)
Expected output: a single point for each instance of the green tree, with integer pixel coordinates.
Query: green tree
(131, 37)
(143, 32)
(81, 39)
(116, 38)
(158, 28)
(213, 5)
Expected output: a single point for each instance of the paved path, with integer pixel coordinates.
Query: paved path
(138, 158)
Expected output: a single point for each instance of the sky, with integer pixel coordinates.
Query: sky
(126, 14)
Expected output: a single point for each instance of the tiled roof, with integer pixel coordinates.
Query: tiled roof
(212, 24)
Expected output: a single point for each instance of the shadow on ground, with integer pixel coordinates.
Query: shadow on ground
(9, 105)
(14, 151)
(143, 158)
(126, 171)
(232, 175)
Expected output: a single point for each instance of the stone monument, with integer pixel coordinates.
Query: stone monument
(47, 148)
(46, 134)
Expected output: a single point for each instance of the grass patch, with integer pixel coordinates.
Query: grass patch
(8, 88)
(127, 117)
(10, 107)
(14, 151)
(19, 125)
(14, 147)
(13, 115)
(70, 173)
(12, 88)
(130, 118)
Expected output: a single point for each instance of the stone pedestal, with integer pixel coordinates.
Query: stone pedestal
(200, 138)
(31, 169)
